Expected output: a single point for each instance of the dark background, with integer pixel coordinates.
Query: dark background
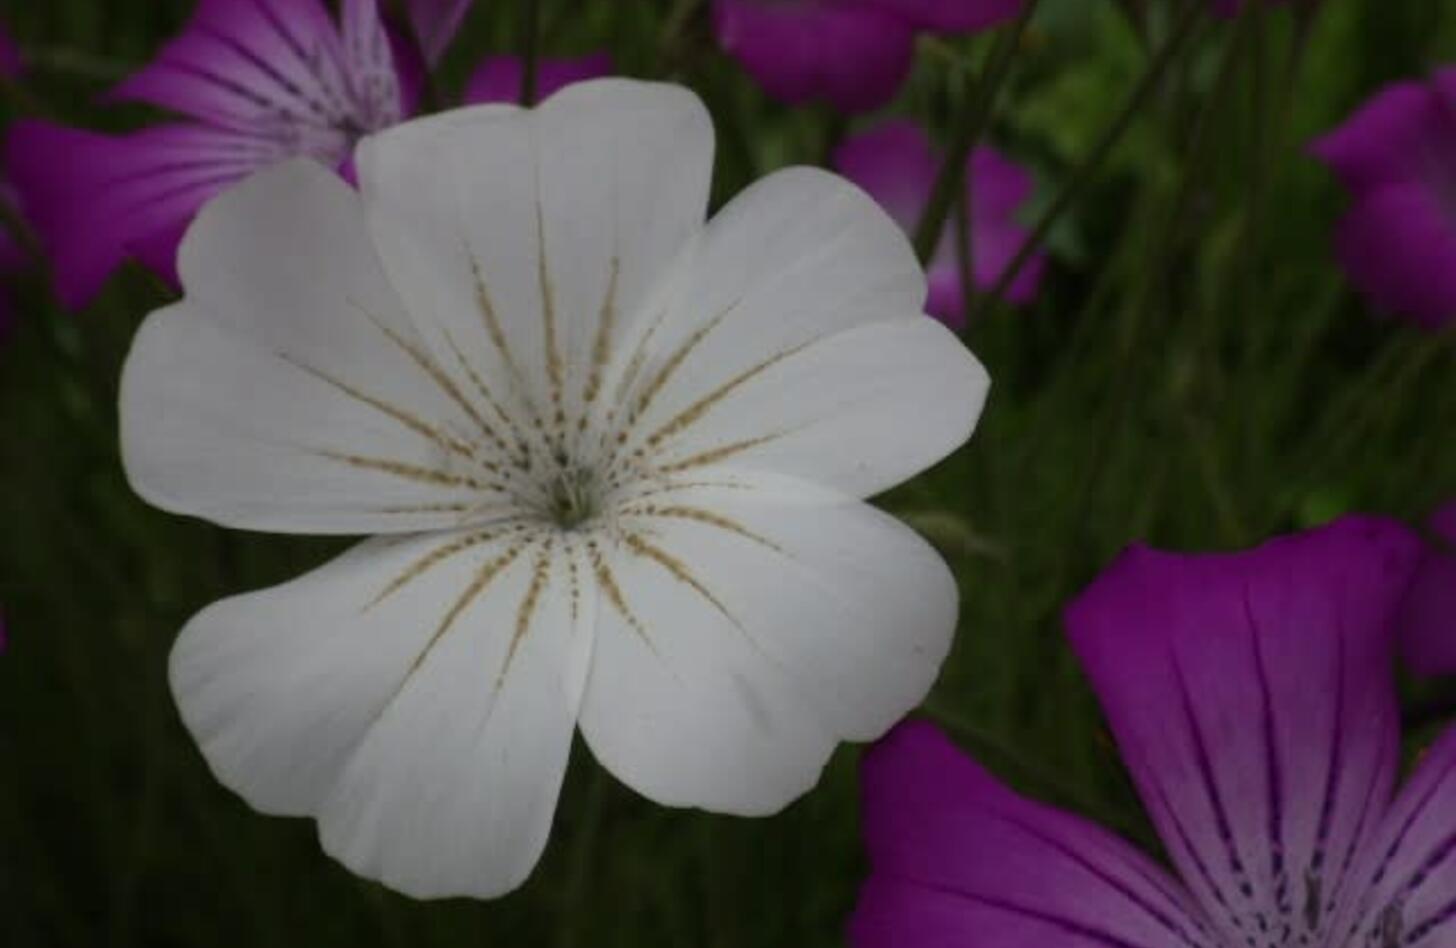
(1196, 373)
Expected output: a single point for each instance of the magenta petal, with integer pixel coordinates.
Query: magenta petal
(950, 16)
(243, 60)
(1406, 874)
(802, 50)
(958, 859)
(1406, 133)
(282, 72)
(1429, 620)
(95, 199)
(1253, 701)
(897, 164)
(435, 23)
(499, 78)
(1398, 246)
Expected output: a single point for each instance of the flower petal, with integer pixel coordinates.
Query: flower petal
(248, 63)
(856, 58)
(1428, 637)
(1398, 246)
(1253, 701)
(896, 164)
(531, 240)
(749, 624)
(97, 199)
(793, 346)
(950, 16)
(959, 859)
(287, 391)
(418, 696)
(499, 78)
(1406, 876)
(1403, 135)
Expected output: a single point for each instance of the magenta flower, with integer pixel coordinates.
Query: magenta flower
(255, 81)
(1253, 700)
(897, 165)
(499, 78)
(854, 54)
(1429, 620)
(1397, 157)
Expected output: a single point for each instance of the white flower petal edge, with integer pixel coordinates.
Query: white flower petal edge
(418, 695)
(753, 623)
(615, 454)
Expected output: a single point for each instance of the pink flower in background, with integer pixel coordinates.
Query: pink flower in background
(1253, 700)
(854, 54)
(1397, 157)
(499, 79)
(897, 164)
(1429, 620)
(254, 81)
(435, 23)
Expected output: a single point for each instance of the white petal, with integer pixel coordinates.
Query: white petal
(281, 394)
(375, 693)
(772, 619)
(753, 349)
(861, 411)
(552, 225)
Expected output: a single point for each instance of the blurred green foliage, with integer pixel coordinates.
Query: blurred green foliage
(1197, 374)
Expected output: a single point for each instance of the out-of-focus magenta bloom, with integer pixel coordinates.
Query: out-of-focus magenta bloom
(897, 164)
(1429, 621)
(1397, 157)
(1252, 697)
(255, 81)
(435, 23)
(499, 78)
(853, 54)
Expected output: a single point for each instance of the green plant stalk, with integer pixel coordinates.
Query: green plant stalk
(973, 121)
(1186, 29)
(530, 50)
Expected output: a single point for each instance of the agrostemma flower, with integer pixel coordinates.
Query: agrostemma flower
(1252, 697)
(614, 458)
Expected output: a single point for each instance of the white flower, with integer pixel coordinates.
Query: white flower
(613, 454)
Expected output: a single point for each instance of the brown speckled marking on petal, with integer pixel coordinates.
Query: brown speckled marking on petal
(526, 612)
(482, 579)
(705, 517)
(613, 590)
(677, 569)
(695, 412)
(409, 420)
(405, 471)
(435, 557)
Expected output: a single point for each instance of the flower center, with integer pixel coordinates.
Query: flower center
(572, 498)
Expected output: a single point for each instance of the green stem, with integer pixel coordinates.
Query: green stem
(973, 121)
(530, 49)
(1083, 173)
